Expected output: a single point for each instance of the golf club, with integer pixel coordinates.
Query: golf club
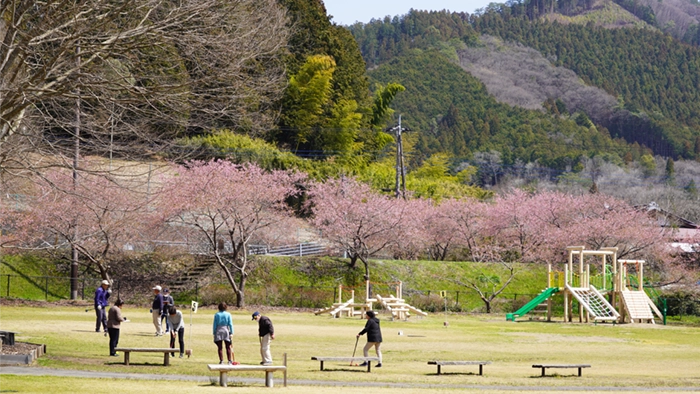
(357, 339)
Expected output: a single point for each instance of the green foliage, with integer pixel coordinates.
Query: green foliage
(238, 148)
(657, 77)
(383, 96)
(452, 112)
(307, 96)
(670, 172)
(433, 180)
(648, 165)
(314, 34)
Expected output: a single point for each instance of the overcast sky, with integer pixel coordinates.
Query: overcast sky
(347, 12)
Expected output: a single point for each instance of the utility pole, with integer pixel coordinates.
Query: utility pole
(76, 162)
(400, 188)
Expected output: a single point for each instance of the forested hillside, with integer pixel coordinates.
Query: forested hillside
(652, 77)
(655, 77)
(451, 111)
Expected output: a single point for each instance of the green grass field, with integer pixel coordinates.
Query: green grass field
(622, 356)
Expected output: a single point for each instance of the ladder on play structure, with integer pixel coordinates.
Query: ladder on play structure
(639, 307)
(594, 303)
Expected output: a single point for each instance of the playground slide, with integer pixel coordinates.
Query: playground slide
(532, 304)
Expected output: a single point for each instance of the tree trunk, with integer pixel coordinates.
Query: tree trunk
(366, 263)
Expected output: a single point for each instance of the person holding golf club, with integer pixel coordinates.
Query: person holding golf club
(177, 329)
(266, 333)
(102, 293)
(223, 331)
(374, 337)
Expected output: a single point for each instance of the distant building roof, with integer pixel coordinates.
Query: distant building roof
(666, 218)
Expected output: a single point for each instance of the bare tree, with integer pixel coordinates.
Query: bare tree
(124, 77)
(488, 286)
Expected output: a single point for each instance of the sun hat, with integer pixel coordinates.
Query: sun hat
(157, 288)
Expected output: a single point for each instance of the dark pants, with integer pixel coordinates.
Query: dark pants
(113, 340)
(167, 322)
(180, 338)
(101, 319)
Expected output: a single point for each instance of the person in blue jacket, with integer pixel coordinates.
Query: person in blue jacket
(102, 293)
(223, 331)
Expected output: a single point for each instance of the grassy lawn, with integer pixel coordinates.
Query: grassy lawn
(621, 355)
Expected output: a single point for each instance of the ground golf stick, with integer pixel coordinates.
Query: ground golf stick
(354, 350)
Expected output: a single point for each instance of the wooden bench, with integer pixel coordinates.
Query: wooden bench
(440, 363)
(545, 366)
(350, 360)
(165, 351)
(224, 369)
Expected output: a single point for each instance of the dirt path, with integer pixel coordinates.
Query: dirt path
(40, 371)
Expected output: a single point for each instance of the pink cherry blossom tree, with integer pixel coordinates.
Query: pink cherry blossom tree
(459, 223)
(356, 219)
(224, 207)
(411, 239)
(97, 216)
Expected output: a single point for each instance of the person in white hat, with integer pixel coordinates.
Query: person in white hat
(102, 293)
(157, 310)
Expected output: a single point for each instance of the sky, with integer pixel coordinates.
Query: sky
(347, 12)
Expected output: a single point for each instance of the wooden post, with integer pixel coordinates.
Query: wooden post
(285, 369)
(340, 294)
(640, 272)
(566, 292)
(588, 285)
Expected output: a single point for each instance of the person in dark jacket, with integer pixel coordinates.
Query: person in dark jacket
(374, 337)
(101, 295)
(157, 310)
(266, 332)
(168, 301)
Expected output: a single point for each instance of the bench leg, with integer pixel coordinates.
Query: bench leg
(439, 369)
(321, 365)
(166, 359)
(268, 379)
(223, 379)
(481, 369)
(542, 371)
(579, 371)
(126, 358)
(369, 366)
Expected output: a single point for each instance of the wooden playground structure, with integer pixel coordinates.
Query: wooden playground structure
(394, 304)
(610, 295)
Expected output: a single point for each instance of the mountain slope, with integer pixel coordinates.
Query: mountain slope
(451, 111)
(521, 76)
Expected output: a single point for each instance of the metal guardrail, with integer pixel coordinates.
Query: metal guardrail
(302, 249)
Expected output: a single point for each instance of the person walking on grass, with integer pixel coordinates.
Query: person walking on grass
(168, 301)
(266, 332)
(223, 333)
(177, 329)
(102, 293)
(114, 324)
(157, 310)
(374, 337)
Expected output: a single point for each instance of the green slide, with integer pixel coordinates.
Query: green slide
(532, 304)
